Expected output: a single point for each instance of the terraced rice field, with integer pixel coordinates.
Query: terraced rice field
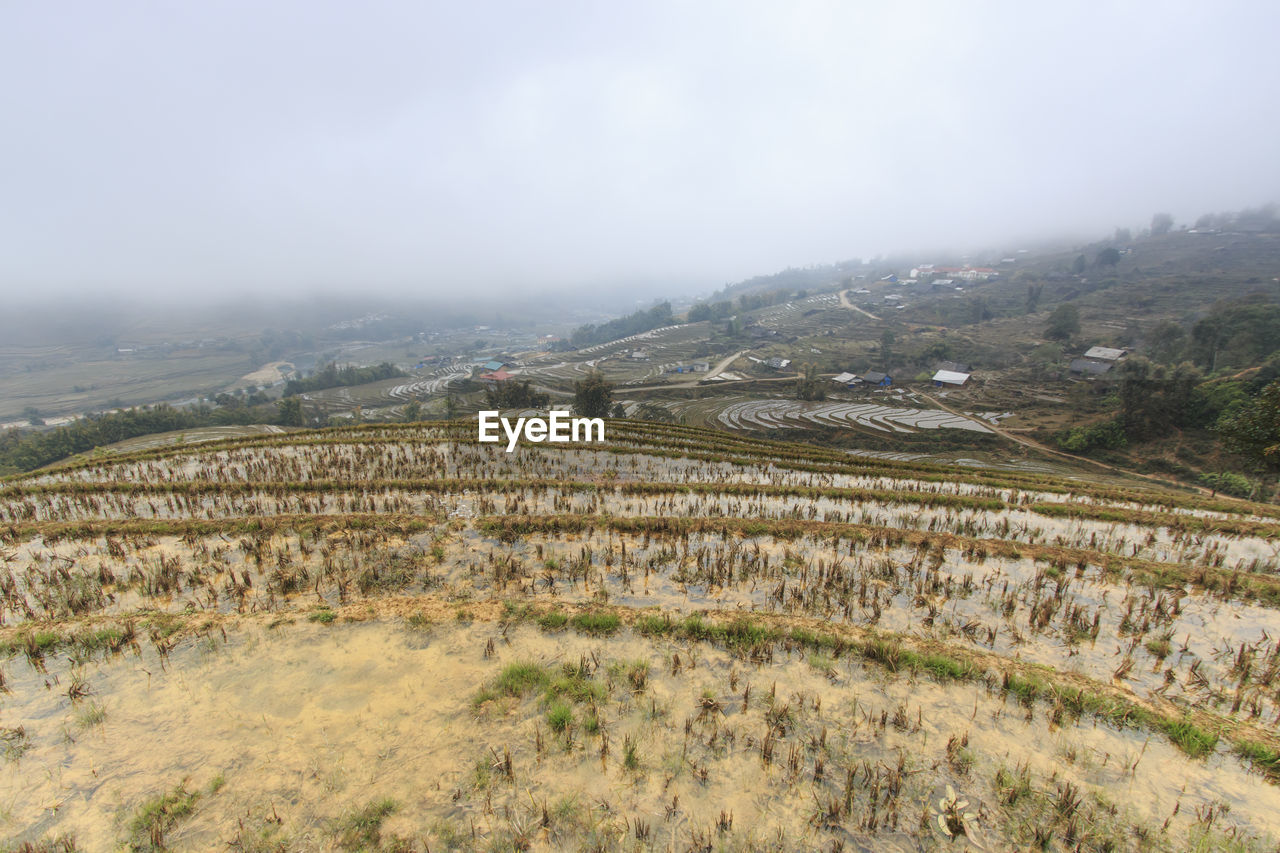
(668, 347)
(437, 383)
(810, 315)
(391, 637)
(794, 414)
(389, 392)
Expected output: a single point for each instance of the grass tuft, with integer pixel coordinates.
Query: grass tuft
(596, 623)
(552, 621)
(158, 816)
(362, 828)
(1188, 737)
(559, 717)
(324, 617)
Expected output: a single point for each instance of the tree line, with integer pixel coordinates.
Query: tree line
(621, 327)
(660, 315)
(26, 451)
(332, 376)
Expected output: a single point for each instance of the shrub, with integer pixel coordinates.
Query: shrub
(1107, 435)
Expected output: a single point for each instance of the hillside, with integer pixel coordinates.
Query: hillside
(1196, 311)
(392, 637)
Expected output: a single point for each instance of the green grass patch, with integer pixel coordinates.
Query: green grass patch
(158, 816)
(653, 625)
(888, 653)
(591, 722)
(947, 668)
(634, 672)
(111, 638)
(515, 680)
(596, 623)
(577, 687)
(1262, 756)
(1189, 738)
(559, 717)
(630, 754)
(362, 828)
(1027, 690)
(552, 621)
(743, 634)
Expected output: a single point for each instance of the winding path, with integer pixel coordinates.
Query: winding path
(1035, 445)
(845, 303)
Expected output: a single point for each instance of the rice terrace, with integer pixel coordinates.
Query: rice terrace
(640, 427)
(395, 637)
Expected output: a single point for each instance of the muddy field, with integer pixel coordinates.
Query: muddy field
(393, 638)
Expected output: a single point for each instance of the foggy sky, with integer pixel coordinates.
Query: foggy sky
(295, 145)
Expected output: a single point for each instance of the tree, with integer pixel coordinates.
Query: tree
(1166, 342)
(937, 351)
(1106, 435)
(639, 321)
(290, 411)
(1259, 219)
(514, 394)
(1064, 322)
(978, 309)
(1236, 334)
(1109, 256)
(887, 340)
(332, 376)
(809, 386)
(655, 412)
(1161, 223)
(411, 412)
(1155, 399)
(1079, 264)
(1254, 431)
(593, 396)
(1034, 292)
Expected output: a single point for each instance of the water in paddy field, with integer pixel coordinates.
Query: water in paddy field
(285, 733)
(363, 656)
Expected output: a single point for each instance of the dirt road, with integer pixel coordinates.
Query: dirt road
(1035, 445)
(716, 370)
(845, 303)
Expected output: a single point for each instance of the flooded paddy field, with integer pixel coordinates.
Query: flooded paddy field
(1248, 545)
(393, 638)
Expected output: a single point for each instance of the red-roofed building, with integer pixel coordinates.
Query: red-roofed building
(499, 375)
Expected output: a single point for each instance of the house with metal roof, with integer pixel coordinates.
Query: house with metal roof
(1089, 367)
(950, 377)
